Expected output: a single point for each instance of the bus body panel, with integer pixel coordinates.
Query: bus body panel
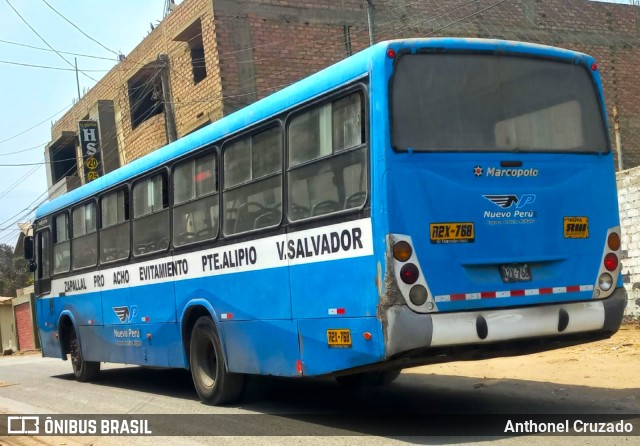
(153, 344)
(266, 347)
(430, 190)
(319, 358)
(93, 344)
(314, 296)
(240, 296)
(48, 330)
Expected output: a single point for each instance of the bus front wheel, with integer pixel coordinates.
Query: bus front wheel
(84, 371)
(213, 383)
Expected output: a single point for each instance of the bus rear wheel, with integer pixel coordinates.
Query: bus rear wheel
(377, 378)
(215, 386)
(84, 371)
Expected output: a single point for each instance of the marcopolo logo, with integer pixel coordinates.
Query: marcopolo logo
(478, 171)
(507, 201)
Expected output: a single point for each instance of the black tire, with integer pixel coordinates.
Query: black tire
(215, 386)
(377, 378)
(84, 371)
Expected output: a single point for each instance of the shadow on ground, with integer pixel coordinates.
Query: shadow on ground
(414, 405)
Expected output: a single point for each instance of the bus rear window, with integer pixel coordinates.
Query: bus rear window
(479, 102)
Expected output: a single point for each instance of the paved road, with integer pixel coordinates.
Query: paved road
(31, 384)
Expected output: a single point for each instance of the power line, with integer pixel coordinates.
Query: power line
(25, 150)
(44, 40)
(34, 126)
(76, 27)
(8, 62)
(8, 42)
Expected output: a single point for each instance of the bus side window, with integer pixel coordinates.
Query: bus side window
(84, 245)
(114, 233)
(61, 244)
(150, 215)
(43, 273)
(327, 159)
(195, 200)
(253, 182)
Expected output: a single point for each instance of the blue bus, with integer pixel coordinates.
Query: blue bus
(424, 200)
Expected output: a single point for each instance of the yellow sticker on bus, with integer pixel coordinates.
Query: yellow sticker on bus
(442, 233)
(576, 227)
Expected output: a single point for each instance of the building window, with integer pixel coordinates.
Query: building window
(327, 159)
(62, 154)
(253, 182)
(192, 35)
(195, 201)
(84, 246)
(114, 235)
(145, 94)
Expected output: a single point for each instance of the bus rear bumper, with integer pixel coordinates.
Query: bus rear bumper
(576, 322)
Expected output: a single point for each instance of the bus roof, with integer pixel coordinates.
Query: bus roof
(329, 78)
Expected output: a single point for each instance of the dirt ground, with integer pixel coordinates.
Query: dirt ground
(613, 363)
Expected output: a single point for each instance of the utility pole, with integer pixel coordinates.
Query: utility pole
(616, 131)
(371, 22)
(77, 78)
(169, 115)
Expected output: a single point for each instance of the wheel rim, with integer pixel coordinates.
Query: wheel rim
(207, 361)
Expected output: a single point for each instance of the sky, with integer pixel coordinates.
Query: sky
(32, 98)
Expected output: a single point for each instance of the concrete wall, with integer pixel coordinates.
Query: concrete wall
(629, 203)
(26, 296)
(7, 328)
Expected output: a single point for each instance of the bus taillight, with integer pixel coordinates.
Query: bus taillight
(402, 251)
(418, 295)
(605, 281)
(611, 261)
(409, 273)
(613, 241)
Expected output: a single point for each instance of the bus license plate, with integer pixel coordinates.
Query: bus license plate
(515, 272)
(339, 338)
(451, 233)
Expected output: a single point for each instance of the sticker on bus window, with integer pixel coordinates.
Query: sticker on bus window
(576, 227)
(444, 233)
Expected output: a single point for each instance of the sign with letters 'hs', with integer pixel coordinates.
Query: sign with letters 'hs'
(90, 146)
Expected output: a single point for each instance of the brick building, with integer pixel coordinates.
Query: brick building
(208, 58)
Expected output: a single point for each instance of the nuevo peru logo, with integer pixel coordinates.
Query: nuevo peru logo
(125, 314)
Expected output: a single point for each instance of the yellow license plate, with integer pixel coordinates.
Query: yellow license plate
(576, 227)
(452, 232)
(340, 338)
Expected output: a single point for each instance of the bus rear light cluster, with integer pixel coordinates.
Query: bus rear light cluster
(610, 265)
(409, 277)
